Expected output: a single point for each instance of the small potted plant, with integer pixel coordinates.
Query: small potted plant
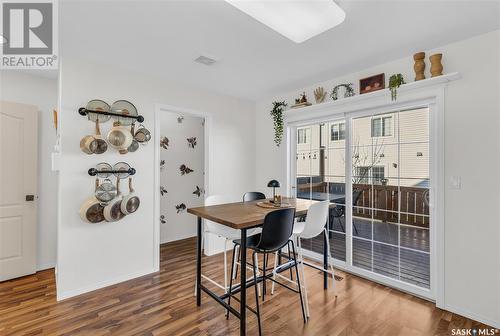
(395, 81)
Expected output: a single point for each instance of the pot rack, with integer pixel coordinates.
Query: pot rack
(94, 171)
(83, 111)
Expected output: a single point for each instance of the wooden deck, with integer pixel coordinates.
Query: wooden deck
(410, 263)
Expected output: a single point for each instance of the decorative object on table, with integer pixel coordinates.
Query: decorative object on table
(119, 137)
(198, 191)
(273, 184)
(163, 191)
(395, 81)
(131, 202)
(301, 101)
(347, 89)
(91, 210)
(419, 66)
(272, 205)
(372, 83)
(191, 142)
(277, 114)
(180, 207)
(319, 95)
(180, 119)
(185, 169)
(162, 219)
(142, 134)
(436, 65)
(164, 142)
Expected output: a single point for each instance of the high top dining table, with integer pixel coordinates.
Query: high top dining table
(241, 216)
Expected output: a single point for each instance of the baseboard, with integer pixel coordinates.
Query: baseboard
(45, 266)
(68, 294)
(472, 316)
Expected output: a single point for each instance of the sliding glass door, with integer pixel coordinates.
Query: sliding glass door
(388, 174)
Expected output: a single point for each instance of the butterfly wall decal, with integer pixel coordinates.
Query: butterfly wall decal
(162, 219)
(180, 207)
(162, 164)
(198, 192)
(185, 169)
(191, 142)
(163, 191)
(164, 142)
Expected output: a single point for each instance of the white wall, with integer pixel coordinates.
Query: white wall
(93, 256)
(177, 223)
(472, 148)
(42, 92)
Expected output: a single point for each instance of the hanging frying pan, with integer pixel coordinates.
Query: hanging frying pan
(124, 107)
(106, 191)
(119, 137)
(94, 144)
(91, 210)
(112, 211)
(142, 134)
(98, 105)
(131, 202)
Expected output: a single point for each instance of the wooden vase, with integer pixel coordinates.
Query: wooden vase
(419, 65)
(436, 66)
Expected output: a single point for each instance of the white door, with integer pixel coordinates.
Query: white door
(18, 184)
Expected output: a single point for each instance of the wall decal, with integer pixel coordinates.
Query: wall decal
(191, 142)
(198, 192)
(180, 207)
(162, 164)
(203, 122)
(180, 119)
(162, 219)
(185, 169)
(163, 191)
(164, 142)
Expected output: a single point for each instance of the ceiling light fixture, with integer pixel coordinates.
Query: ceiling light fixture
(298, 20)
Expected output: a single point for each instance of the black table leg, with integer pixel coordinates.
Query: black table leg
(243, 293)
(198, 263)
(325, 261)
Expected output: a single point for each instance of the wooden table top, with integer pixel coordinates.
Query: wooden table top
(243, 215)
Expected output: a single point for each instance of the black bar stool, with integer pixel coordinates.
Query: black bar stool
(276, 233)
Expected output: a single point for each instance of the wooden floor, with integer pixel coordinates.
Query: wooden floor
(163, 304)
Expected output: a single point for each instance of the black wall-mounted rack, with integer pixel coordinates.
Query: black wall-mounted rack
(94, 172)
(83, 111)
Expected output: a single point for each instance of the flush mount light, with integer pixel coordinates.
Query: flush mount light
(298, 20)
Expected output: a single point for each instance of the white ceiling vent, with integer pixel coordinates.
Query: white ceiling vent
(207, 60)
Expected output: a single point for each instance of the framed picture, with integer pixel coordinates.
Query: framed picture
(372, 83)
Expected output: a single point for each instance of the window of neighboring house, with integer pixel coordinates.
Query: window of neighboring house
(303, 135)
(381, 126)
(370, 175)
(338, 131)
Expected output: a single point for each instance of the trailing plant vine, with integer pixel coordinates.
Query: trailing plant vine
(277, 114)
(395, 81)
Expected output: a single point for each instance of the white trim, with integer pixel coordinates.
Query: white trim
(472, 315)
(102, 284)
(45, 266)
(207, 162)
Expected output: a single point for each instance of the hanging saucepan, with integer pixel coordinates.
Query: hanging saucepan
(131, 202)
(94, 144)
(119, 137)
(112, 211)
(134, 145)
(124, 107)
(91, 210)
(142, 134)
(106, 191)
(98, 105)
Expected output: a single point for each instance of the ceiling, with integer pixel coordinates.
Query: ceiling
(162, 38)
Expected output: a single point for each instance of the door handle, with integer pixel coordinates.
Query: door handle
(30, 198)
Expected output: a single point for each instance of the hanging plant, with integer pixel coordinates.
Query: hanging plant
(277, 114)
(349, 91)
(395, 81)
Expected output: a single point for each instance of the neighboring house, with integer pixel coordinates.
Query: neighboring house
(376, 143)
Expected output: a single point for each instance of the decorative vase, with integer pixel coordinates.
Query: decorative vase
(419, 65)
(436, 66)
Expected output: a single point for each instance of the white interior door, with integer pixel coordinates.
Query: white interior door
(18, 187)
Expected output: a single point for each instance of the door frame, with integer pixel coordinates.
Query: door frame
(161, 108)
(434, 97)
